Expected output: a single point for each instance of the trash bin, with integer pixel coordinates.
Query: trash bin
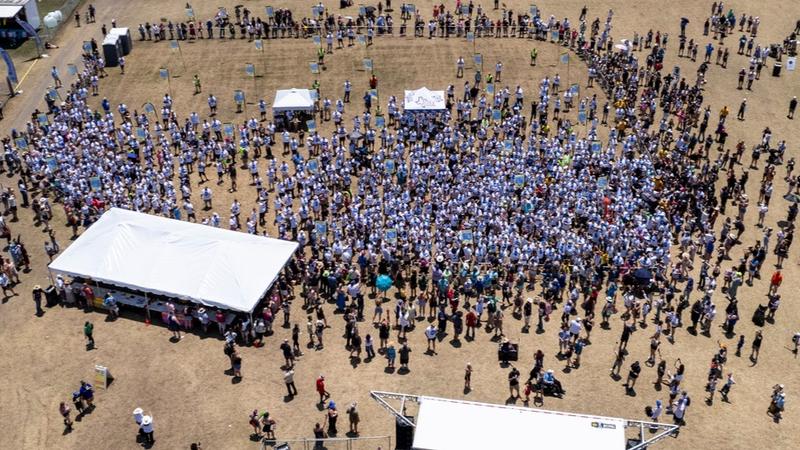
(51, 296)
(776, 69)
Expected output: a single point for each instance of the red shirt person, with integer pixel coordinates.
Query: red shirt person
(323, 394)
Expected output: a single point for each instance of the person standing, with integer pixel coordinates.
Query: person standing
(37, 299)
(87, 394)
(64, 410)
(353, 417)
(288, 354)
(468, 377)
(679, 412)
(756, 346)
(513, 383)
(138, 415)
(792, 107)
(56, 77)
(460, 67)
(404, 355)
(332, 416)
(147, 430)
(319, 435)
(288, 378)
(88, 330)
(369, 346)
(175, 327)
(5, 284)
(742, 108)
(633, 375)
(430, 334)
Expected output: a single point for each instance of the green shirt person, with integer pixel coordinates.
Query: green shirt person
(88, 329)
(534, 54)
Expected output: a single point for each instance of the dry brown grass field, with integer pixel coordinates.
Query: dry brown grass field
(183, 384)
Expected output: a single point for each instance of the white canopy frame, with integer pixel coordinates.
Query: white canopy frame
(443, 433)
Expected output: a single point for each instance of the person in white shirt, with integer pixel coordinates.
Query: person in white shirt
(147, 430)
(431, 333)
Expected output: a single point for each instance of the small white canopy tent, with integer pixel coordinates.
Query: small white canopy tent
(292, 100)
(441, 422)
(424, 99)
(211, 266)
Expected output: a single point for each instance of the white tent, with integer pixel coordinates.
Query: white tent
(458, 425)
(292, 100)
(10, 8)
(189, 261)
(424, 99)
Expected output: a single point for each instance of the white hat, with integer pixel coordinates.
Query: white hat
(147, 420)
(138, 412)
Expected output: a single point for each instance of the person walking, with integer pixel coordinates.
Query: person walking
(323, 393)
(742, 109)
(726, 388)
(468, 377)
(197, 85)
(88, 330)
(792, 107)
(288, 378)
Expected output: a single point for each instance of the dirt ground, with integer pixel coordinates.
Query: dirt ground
(184, 386)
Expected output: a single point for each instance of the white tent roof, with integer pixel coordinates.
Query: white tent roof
(199, 263)
(424, 100)
(9, 11)
(292, 100)
(441, 425)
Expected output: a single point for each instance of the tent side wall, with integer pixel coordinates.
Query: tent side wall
(32, 13)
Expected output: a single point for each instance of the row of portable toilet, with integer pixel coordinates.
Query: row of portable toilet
(116, 44)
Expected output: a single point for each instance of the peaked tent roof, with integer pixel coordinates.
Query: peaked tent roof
(202, 264)
(292, 100)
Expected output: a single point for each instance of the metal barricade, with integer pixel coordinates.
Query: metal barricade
(338, 443)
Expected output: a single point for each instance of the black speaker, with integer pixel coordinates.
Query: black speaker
(405, 434)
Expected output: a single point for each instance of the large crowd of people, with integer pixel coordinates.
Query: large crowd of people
(467, 212)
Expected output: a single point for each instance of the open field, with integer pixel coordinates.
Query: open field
(184, 384)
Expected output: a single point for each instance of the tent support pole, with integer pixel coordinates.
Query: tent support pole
(146, 307)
